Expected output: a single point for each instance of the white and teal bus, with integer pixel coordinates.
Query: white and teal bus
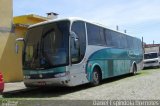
(72, 51)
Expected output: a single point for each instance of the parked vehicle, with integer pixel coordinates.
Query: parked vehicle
(1, 83)
(151, 59)
(70, 52)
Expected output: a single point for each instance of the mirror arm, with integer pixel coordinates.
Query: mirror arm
(21, 39)
(17, 40)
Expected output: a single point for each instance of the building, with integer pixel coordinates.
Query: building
(151, 45)
(21, 23)
(152, 48)
(8, 59)
(11, 29)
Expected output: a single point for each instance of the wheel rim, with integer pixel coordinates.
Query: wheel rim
(96, 77)
(134, 70)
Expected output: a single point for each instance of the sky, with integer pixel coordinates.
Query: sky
(141, 18)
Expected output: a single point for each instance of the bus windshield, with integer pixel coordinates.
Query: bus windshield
(47, 46)
(150, 55)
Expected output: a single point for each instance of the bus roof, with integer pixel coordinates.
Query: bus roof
(55, 20)
(70, 19)
(75, 19)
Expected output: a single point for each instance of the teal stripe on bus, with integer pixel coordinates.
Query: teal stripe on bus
(113, 62)
(46, 71)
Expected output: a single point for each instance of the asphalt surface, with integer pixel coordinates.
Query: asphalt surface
(145, 85)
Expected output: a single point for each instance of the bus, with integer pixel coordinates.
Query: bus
(73, 51)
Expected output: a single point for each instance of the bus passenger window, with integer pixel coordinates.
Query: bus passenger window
(77, 54)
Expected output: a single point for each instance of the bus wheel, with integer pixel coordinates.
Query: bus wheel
(134, 69)
(96, 77)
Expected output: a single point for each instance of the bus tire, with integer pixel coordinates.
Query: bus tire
(134, 69)
(96, 77)
(27, 86)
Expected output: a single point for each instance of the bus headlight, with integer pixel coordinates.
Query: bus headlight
(27, 77)
(61, 74)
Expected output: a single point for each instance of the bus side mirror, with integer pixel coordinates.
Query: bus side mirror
(16, 44)
(75, 39)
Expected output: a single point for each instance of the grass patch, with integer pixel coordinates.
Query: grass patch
(148, 71)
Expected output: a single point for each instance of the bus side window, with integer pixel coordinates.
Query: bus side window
(78, 28)
(158, 54)
(95, 35)
(129, 42)
(108, 37)
(102, 35)
(123, 41)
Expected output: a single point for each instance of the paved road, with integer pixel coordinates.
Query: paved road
(14, 86)
(143, 86)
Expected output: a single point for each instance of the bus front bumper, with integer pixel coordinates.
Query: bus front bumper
(61, 81)
(151, 65)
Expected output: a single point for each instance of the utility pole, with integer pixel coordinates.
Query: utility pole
(125, 31)
(143, 44)
(117, 28)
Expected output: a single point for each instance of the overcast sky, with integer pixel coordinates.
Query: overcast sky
(138, 17)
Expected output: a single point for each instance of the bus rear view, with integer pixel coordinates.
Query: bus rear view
(151, 60)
